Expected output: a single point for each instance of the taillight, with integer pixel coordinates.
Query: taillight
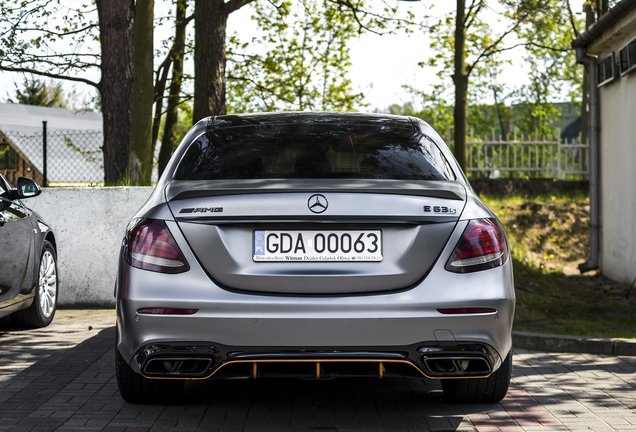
(482, 246)
(151, 247)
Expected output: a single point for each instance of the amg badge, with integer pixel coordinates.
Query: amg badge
(202, 210)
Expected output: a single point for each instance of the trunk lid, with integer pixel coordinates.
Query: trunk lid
(221, 219)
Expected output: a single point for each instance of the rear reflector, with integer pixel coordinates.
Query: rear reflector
(164, 311)
(151, 247)
(461, 311)
(482, 246)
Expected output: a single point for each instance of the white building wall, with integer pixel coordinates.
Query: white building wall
(618, 157)
(89, 225)
(618, 178)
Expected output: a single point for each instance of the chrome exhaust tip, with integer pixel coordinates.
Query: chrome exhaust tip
(442, 366)
(177, 367)
(460, 361)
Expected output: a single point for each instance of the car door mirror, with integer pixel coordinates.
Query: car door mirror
(27, 188)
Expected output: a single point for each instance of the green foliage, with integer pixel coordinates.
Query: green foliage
(482, 65)
(184, 123)
(436, 110)
(552, 67)
(298, 63)
(579, 305)
(38, 92)
(541, 27)
(7, 157)
(549, 237)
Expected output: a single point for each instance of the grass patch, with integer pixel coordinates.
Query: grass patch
(552, 302)
(549, 237)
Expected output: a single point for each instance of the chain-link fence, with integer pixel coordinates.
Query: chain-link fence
(68, 156)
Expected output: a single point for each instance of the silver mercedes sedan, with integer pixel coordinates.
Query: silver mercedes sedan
(314, 245)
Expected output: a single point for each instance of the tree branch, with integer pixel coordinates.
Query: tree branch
(571, 15)
(356, 10)
(469, 14)
(489, 50)
(52, 75)
(234, 5)
(261, 88)
(49, 32)
(527, 44)
(172, 53)
(45, 56)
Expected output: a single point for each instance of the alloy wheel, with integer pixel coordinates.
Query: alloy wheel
(48, 284)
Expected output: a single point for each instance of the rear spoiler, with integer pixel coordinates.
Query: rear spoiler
(183, 189)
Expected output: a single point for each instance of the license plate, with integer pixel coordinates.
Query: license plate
(317, 245)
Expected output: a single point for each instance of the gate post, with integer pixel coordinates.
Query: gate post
(559, 154)
(44, 179)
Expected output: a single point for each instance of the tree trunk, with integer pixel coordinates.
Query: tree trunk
(140, 155)
(460, 78)
(209, 58)
(169, 133)
(160, 88)
(116, 37)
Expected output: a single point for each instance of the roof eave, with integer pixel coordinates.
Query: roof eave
(603, 23)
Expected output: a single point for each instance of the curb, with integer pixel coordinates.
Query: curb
(574, 344)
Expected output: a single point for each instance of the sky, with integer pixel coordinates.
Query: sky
(381, 64)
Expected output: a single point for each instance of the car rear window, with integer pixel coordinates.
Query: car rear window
(313, 151)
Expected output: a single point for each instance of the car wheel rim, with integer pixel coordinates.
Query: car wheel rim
(48, 284)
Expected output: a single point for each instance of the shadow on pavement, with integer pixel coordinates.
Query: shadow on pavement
(63, 378)
(51, 380)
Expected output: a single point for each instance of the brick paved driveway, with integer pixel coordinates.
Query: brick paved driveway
(62, 378)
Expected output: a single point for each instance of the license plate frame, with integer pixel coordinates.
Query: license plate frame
(317, 245)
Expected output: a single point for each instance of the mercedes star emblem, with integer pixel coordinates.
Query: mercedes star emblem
(317, 203)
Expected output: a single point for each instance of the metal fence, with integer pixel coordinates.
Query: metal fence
(526, 157)
(70, 156)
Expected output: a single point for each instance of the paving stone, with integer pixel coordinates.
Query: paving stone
(62, 378)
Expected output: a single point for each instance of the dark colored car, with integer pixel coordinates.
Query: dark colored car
(28, 258)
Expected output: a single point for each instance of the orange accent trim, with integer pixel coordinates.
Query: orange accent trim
(381, 370)
(255, 362)
(317, 370)
(254, 370)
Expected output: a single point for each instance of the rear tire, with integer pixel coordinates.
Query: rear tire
(480, 390)
(135, 388)
(42, 310)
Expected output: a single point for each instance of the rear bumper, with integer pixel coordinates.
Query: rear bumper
(393, 323)
(195, 361)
